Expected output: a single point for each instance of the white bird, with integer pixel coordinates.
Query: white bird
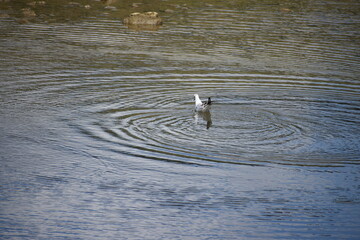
(201, 106)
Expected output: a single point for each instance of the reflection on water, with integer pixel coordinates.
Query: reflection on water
(99, 138)
(144, 27)
(206, 116)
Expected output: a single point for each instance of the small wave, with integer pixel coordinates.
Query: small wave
(256, 119)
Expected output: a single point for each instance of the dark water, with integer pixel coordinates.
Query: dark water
(99, 139)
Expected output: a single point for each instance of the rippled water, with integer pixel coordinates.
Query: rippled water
(99, 139)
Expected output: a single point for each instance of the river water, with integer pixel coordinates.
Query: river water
(99, 139)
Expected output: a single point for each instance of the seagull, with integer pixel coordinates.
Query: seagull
(201, 106)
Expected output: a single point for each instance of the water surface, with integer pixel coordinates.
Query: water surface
(99, 139)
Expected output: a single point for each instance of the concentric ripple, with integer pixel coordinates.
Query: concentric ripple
(255, 119)
(284, 84)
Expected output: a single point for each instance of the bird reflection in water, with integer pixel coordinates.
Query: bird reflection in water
(206, 116)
